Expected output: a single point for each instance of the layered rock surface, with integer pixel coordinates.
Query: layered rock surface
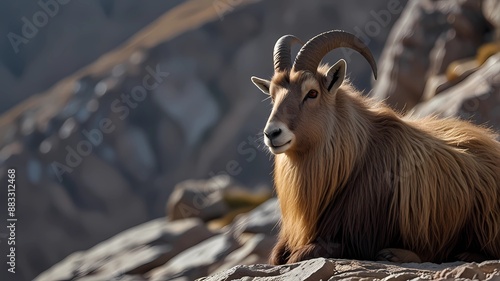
(188, 249)
(165, 249)
(431, 35)
(328, 269)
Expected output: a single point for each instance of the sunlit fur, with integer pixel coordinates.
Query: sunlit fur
(361, 178)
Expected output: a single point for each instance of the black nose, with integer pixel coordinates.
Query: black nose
(272, 134)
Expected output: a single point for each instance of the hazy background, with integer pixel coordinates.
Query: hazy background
(91, 158)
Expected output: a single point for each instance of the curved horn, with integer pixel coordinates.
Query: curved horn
(311, 54)
(282, 52)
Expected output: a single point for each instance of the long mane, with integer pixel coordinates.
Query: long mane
(307, 183)
(380, 180)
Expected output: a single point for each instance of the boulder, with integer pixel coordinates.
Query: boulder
(132, 253)
(255, 249)
(425, 40)
(212, 198)
(328, 269)
(263, 219)
(196, 261)
(199, 198)
(476, 98)
(491, 10)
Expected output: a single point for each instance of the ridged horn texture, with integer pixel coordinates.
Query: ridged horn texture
(311, 54)
(282, 54)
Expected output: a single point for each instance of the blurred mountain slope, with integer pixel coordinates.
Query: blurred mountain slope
(73, 34)
(60, 216)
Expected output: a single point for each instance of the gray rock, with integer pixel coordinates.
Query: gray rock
(116, 278)
(34, 170)
(491, 10)
(135, 152)
(428, 36)
(173, 144)
(131, 253)
(101, 184)
(197, 261)
(263, 219)
(200, 198)
(316, 269)
(477, 98)
(255, 249)
(101, 180)
(325, 269)
(191, 104)
(62, 201)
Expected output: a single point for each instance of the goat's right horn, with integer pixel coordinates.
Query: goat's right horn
(311, 54)
(282, 54)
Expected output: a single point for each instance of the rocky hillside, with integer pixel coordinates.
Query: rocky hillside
(188, 248)
(101, 150)
(64, 42)
(435, 51)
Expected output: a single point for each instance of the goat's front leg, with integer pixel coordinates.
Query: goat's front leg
(316, 250)
(280, 253)
(472, 257)
(398, 255)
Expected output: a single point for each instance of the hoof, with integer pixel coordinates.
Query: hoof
(472, 257)
(397, 255)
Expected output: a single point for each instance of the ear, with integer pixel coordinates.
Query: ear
(262, 84)
(336, 75)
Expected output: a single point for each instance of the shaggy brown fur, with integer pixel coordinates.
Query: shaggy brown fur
(362, 179)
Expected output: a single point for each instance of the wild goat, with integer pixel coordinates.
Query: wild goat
(356, 180)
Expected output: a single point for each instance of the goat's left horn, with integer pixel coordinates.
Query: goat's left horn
(311, 54)
(282, 54)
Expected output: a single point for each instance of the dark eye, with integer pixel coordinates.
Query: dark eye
(312, 94)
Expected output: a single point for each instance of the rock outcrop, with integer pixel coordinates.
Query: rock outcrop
(442, 59)
(429, 36)
(213, 198)
(476, 98)
(187, 249)
(328, 269)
